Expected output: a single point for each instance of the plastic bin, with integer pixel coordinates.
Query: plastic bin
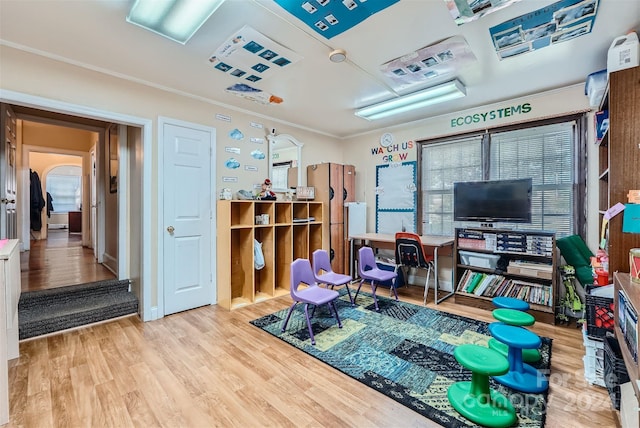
(481, 260)
(624, 52)
(615, 372)
(595, 87)
(593, 361)
(599, 315)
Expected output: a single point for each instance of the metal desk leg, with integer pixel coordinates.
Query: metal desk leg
(435, 257)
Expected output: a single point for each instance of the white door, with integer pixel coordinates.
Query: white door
(8, 216)
(187, 212)
(94, 204)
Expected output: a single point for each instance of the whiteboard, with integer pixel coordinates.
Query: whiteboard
(396, 197)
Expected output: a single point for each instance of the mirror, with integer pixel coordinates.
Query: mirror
(285, 156)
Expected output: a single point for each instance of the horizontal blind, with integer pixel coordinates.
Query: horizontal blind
(441, 166)
(545, 154)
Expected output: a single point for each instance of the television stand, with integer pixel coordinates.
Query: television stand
(492, 262)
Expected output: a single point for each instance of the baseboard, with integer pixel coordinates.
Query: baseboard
(78, 328)
(110, 263)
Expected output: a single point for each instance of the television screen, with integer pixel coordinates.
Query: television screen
(493, 201)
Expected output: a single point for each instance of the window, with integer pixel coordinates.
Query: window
(65, 187)
(544, 152)
(280, 174)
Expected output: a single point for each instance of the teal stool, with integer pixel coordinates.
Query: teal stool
(521, 376)
(510, 303)
(516, 318)
(475, 400)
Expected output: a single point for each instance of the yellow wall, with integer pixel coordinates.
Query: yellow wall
(52, 136)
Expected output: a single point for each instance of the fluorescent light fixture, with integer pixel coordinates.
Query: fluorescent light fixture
(177, 20)
(433, 95)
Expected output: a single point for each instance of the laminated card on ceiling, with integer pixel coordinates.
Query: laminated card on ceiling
(332, 17)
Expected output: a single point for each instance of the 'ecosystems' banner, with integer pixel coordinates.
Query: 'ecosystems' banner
(491, 115)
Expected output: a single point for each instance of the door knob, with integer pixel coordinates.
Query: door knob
(170, 229)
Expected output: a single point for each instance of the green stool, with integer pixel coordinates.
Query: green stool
(475, 400)
(516, 318)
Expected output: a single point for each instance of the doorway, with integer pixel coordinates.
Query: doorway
(56, 158)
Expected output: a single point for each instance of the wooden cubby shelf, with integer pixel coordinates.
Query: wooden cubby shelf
(287, 233)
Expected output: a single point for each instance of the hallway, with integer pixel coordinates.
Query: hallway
(58, 261)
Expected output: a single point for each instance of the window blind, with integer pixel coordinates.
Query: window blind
(546, 153)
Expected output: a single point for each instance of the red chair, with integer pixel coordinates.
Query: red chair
(410, 254)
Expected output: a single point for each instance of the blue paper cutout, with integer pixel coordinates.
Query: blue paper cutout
(232, 163)
(236, 134)
(257, 154)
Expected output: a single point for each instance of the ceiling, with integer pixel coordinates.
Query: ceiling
(318, 94)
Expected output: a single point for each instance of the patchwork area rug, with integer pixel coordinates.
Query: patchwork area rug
(404, 351)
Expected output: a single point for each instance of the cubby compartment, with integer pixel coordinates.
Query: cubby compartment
(283, 213)
(301, 241)
(241, 267)
(241, 213)
(284, 250)
(264, 278)
(300, 212)
(315, 212)
(315, 237)
(263, 212)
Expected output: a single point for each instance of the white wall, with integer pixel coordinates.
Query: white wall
(23, 72)
(30, 74)
(359, 151)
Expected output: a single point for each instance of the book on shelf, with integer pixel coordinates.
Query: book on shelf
(631, 330)
(494, 285)
(476, 279)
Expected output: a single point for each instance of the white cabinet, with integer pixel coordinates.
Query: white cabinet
(9, 296)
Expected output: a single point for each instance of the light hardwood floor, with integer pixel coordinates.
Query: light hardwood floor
(210, 367)
(59, 260)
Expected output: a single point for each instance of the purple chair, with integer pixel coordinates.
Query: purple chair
(368, 270)
(324, 274)
(313, 294)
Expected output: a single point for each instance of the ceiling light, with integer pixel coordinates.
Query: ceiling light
(177, 20)
(338, 55)
(433, 95)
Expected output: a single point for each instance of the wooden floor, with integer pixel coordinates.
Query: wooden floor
(58, 261)
(209, 367)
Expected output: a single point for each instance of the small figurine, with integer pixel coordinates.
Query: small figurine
(266, 194)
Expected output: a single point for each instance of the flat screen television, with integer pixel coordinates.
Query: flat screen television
(506, 201)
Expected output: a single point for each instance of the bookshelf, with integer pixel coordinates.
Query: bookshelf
(625, 326)
(619, 161)
(501, 262)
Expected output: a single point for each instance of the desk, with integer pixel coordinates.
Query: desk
(388, 241)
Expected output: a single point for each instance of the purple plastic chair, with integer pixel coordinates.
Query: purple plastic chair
(369, 271)
(322, 264)
(315, 295)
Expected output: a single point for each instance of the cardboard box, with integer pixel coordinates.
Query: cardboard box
(531, 272)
